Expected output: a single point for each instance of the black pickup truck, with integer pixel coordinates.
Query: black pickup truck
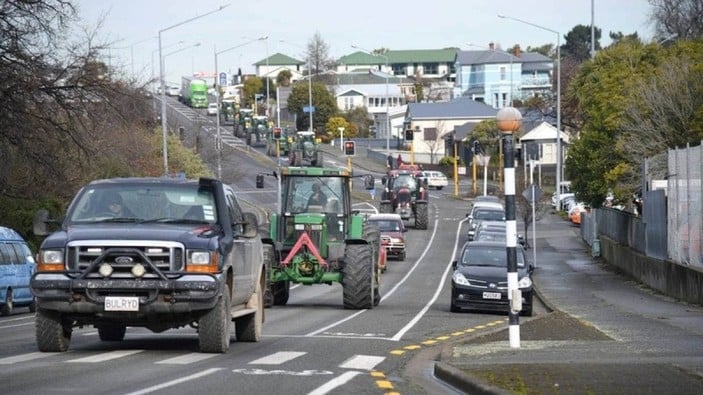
(158, 253)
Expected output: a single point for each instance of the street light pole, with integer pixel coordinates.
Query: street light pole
(218, 142)
(559, 159)
(388, 119)
(163, 83)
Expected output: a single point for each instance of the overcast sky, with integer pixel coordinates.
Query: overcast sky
(134, 25)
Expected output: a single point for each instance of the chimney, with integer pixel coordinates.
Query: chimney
(517, 51)
(491, 46)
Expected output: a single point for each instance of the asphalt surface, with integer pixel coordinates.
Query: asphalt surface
(605, 333)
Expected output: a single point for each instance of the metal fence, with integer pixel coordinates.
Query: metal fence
(670, 226)
(684, 209)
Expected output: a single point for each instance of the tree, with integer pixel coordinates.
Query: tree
(318, 55)
(681, 19)
(323, 101)
(333, 125)
(578, 42)
(252, 86)
(547, 50)
(603, 90)
(359, 117)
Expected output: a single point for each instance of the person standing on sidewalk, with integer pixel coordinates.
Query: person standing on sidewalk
(389, 162)
(399, 161)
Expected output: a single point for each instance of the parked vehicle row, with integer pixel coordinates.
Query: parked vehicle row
(16, 269)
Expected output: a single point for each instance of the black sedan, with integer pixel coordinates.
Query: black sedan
(480, 279)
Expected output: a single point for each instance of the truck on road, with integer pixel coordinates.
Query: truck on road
(194, 92)
(157, 253)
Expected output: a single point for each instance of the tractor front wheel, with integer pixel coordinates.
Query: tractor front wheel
(358, 277)
(421, 216)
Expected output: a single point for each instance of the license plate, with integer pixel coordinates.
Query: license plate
(491, 295)
(121, 303)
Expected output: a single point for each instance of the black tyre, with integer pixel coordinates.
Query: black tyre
(401, 256)
(7, 306)
(268, 262)
(112, 333)
(33, 305)
(281, 292)
(52, 334)
(318, 161)
(421, 216)
(214, 326)
(358, 278)
(248, 328)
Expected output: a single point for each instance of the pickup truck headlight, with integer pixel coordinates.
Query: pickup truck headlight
(50, 260)
(202, 262)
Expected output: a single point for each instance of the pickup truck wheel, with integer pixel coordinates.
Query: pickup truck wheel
(6, 308)
(51, 333)
(269, 262)
(358, 277)
(248, 328)
(112, 333)
(214, 326)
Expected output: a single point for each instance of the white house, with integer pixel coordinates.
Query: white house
(545, 135)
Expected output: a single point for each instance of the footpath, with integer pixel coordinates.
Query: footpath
(605, 333)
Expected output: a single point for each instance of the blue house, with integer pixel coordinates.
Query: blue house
(497, 78)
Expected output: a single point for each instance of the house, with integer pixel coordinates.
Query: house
(274, 64)
(431, 122)
(497, 78)
(545, 137)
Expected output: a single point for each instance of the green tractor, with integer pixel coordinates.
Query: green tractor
(243, 122)
(277, 142)
(305, 150)
(260, 127)
(316, 238)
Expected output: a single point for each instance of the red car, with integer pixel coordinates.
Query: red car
(392, 233)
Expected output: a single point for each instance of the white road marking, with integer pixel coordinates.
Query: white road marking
(302, 373)
(105, 356)
(186, 359)
(277, 358)
(174, 382)
(362, 362)
(26, 357)
(334, 383)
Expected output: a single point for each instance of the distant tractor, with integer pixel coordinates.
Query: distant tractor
(259, 128)
(277, 143)
(315, 238)
(405, 193)
(305, 150)
(243, 122)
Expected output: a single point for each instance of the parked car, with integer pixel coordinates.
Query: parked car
(173, 91)
(481, 212)
(392, 233)
(16, 269)
(435, 179)
(479, 281)
(212, 109)
(575, 212)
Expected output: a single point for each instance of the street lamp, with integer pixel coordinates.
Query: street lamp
(388, 119)
(309, 80)
(558, 175)
(218, 143)
(163, 84)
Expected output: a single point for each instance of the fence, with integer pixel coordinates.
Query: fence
(684, 209)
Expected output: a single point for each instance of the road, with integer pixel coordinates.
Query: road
(310, 346)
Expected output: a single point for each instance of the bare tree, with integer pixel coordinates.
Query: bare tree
(682, 19)
(318, 53)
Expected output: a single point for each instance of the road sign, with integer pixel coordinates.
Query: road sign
(223, 79)
(527, 193)
(307, 109)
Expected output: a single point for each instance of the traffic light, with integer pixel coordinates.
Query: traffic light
(349, 148)
(408, 135)
(276, 133)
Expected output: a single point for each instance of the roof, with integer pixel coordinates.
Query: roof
(459, 108)
(279, 59)
(544, 131)
(485, 57)
(9, 234)
(446, 55)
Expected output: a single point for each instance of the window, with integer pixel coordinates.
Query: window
(398, 69)
(502, 73)
(430, 68)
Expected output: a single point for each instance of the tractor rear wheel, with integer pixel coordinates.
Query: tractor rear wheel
(421, 216)
(281, 291)
(358, 277)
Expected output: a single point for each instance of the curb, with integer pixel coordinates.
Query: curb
(464, 381)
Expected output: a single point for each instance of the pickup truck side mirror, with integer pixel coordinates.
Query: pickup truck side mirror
(251, 225)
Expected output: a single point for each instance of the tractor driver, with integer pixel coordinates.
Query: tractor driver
(318, 198)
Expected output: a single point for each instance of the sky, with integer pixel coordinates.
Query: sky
(132, 28)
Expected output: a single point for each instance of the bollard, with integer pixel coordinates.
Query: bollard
(595, 248)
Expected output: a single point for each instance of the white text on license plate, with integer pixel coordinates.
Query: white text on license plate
(491, 295)
(121, 303)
